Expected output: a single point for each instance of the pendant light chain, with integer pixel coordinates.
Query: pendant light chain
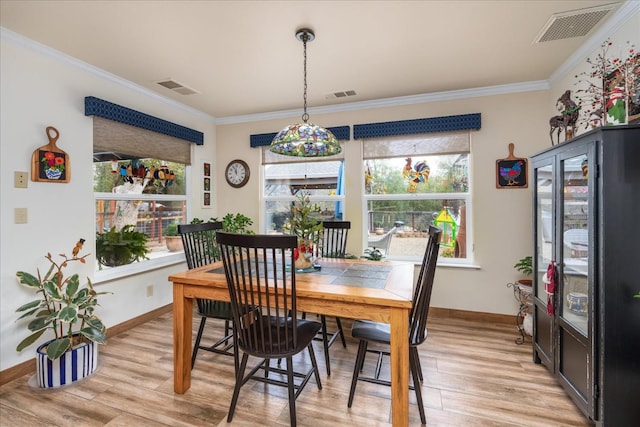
(305, 116)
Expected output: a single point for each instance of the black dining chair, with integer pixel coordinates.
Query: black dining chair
(262, 289)
(367, 331)
(333, 244)
(200, 248)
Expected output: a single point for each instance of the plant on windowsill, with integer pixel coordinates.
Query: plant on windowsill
(67, 309)
(172, 238)
(372, 254)
(525, 266)
(115, 248)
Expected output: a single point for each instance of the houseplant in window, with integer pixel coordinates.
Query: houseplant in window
(305, 224)
(121, 247)
(66, 308)
(172, 238)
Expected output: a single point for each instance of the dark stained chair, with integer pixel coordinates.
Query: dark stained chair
(200, 248)
(367, 331)
(262, 289)
(332, 245)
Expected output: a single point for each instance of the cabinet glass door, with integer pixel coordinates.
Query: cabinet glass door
(544, 222)
(574, 300)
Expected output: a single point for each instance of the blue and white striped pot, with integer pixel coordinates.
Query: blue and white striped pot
(74, 365)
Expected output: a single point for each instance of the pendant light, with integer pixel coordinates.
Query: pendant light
(305, 139)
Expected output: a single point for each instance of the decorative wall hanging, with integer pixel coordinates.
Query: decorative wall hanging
(512, 171)
(415, 174)
(206, 185)
(567, 120)
(449, 227)
(49, 163)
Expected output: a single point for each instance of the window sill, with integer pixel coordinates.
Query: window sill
(442, 263)
(112, 273)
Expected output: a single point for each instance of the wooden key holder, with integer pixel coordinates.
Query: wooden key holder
(49, 163)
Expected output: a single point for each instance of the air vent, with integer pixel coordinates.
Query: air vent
(177, 87)
(342, 94)
(572, 24)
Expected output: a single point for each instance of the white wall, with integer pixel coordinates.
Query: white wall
(40, 88)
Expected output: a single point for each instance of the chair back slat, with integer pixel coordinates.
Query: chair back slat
(262, 288)
(334, 238)
(199, 241)
(424, 286)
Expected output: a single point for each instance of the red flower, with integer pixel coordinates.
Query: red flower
(59, 160)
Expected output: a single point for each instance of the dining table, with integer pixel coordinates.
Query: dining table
(350, 288)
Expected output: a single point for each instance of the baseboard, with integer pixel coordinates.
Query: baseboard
(477, 316)
(29, 366)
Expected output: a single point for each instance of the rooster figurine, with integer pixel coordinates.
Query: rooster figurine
(416, 174)
(512, 173)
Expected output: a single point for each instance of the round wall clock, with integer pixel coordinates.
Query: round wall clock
(237, 173)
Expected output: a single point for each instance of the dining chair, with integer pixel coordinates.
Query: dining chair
(199, 241)
(262, 290)
(368, 331)
(332, 245)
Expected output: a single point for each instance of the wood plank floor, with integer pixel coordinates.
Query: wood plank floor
(475, 375)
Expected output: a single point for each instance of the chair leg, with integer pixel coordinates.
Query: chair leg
(417, 362)
(415, 366)
(362, 351)
(196, 345)
(236, 389)
(325, 344)
(341, 332)
(292, 392)
(314, 364)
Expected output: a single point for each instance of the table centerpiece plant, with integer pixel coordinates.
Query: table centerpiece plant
(305, 223)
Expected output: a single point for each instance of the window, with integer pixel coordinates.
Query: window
(285, 177)
(412, 182)
(146, 193)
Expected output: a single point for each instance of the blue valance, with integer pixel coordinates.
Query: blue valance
(99, 107)
(342, 133)
(416, 126)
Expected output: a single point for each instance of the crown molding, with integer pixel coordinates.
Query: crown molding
(24, 42)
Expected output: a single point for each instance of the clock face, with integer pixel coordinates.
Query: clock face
(237, 173)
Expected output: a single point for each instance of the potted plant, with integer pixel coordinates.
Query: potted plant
(525, 266)
(114, 248)
(172, 238)
(67, 309)
(306, 225)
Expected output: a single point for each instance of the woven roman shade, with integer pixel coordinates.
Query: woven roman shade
(417, 145)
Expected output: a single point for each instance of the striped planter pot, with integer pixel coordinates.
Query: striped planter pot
(74, 365)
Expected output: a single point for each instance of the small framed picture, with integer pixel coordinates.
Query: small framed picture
(207, 199)
(207, 169)
(207, 184)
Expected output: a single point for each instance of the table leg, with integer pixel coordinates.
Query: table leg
(400, 367)
(182, 327)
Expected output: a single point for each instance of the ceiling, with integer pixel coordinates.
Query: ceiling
(242, 57)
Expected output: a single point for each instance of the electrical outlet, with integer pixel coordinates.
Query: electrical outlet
(20, 215)
(150, 290)
(20, 179)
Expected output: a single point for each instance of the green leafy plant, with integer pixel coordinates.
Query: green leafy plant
(64, 307)
(372, 254)
(525, 266)
(171, 229)
(305, 219)
(236, 223)
(114, 248)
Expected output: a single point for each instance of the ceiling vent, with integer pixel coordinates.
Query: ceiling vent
(576, 23)
(342, 94)
(177, 87)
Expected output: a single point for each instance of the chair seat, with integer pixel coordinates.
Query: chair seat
(371, 331)
(272, 340)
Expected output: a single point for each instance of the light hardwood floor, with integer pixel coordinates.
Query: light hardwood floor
(474, 375)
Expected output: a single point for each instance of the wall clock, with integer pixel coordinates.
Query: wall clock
(237, 173)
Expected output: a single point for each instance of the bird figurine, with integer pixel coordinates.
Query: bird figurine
(77, 247)
(416, 174)
(511, 174)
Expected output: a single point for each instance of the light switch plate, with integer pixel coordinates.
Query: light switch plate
(20, 215)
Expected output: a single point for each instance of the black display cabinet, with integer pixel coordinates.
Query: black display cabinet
(587, 221)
